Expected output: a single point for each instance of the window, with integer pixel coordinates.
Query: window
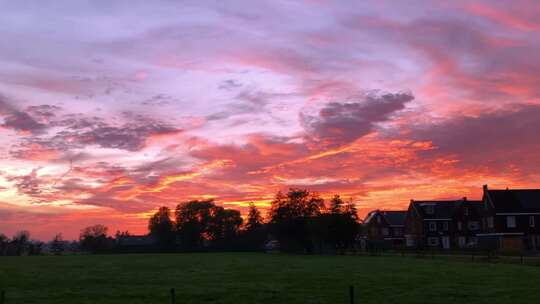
(511, 222)
(432, 226)
(398, 231)
(459, 226)
(385, 231)
(430, 209)
(473, 225)
(531, 220)
(378, 219)
(433, 241)
(445, 226)
(490, 222)
(466, 211)
(462, 241)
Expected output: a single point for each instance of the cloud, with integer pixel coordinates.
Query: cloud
(19, 120)
(28, 184)
(80, 131)
(494, 137)
(342, 123)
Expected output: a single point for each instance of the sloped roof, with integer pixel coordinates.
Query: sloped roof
(441, 209)
(395, 218)
(515, 200)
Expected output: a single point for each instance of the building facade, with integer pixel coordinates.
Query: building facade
(385, 227)
(511, 219)
(442, 224)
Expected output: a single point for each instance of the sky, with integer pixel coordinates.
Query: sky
(110, 109)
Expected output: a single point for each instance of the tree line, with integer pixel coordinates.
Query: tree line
(297, 221)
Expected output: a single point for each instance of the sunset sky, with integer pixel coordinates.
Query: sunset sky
(109, 109)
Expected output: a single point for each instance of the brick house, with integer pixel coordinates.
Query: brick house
(511, 219)
(442, 224)
(385, 226)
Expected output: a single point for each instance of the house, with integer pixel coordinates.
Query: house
(442, 224)
(468, 223)
(511, 219)
(385, 227)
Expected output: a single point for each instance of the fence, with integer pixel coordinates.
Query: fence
(173, 296)
(524, 258)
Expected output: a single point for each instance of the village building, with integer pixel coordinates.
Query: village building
(511, 219)
(385, 227)
(442, 224)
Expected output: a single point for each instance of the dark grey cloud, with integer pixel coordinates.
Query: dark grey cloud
(78, 131)
(29, 184)
(248, 102)
(229, 84)
(341, 123)
(18, 120)
(502, 137)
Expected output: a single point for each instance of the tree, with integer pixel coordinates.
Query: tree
(192, 222)
(94, 239)
(202, 225)
(289, 218)
(254, 234)
(336, 205)
(224, 227)
(342, 224)
(254, 219)
(21, 241)
(161, 227)
(58, 244)
(4, 241)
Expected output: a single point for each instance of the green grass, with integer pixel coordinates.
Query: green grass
(262, 278)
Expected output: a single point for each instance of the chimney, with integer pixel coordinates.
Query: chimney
(485, 188)
(464, 198)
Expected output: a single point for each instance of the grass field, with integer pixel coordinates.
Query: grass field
(262, 278)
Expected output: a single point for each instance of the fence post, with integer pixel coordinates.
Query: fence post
(173, 297)
(351, 294)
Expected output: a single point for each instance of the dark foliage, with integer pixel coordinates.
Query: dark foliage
(298, 221)
(94, 239)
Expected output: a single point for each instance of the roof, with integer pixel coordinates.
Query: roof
(444, 209)
(441, 209)
(515, 200)
(393, 218)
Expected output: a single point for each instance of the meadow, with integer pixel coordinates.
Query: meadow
(261, 278)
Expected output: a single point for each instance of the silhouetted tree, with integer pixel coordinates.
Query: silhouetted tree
(254, 234)
(342, 224)
(161, 227)
(223, 228)
(94, 239)
(4, 241)
(192, 223)
(21, 242)
(58, 244)
(254, 218)
(120, 234)
(289, 218)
